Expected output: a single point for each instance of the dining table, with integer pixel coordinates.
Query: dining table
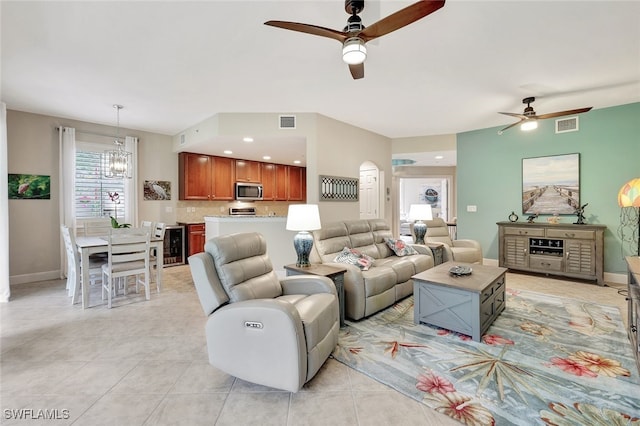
(88, 245)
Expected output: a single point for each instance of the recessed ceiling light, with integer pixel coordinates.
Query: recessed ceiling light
(297, 161)
(439, 157)
(227, 151)
(247, 139)
(266, 157)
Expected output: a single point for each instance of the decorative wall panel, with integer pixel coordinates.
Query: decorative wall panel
(336, 188)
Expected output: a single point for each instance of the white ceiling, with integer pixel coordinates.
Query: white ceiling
(173, 64)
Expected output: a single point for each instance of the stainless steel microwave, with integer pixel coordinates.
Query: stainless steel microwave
(248, 191)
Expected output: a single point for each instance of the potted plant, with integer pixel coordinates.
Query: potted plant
(115, 197)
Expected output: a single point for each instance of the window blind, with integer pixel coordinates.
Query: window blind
(92, 189)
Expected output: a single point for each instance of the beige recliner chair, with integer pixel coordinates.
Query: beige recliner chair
(468, 251)
(262, 329)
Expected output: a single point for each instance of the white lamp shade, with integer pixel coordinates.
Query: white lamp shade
(530, 124)
(303, 217)
(420, 212)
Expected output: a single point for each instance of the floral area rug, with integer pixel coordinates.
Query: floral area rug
(545, 360)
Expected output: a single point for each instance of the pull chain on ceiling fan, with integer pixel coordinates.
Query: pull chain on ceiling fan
(354, 36)
(529, 118)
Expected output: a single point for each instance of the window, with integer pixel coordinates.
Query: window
(94, 192)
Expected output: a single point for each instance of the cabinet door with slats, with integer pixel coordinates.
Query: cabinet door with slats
(580, 256)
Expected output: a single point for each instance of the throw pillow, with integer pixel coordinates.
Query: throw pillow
(354, 257)
(399, 247)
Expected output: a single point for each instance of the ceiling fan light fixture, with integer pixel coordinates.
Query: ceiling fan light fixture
(354, 51)
(530, 124)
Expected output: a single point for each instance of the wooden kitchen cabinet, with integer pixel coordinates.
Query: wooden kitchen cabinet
(204, 177)
(196, 238)
(268, 181)
(207, 177)
(223, 178)
(290, 183)
(282, 183)
(296, 175)
(248, 171)
(195, 176)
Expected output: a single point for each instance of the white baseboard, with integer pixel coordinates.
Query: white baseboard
(609, 277)
(31, 278)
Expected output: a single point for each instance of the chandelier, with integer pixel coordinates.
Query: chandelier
(117, 162)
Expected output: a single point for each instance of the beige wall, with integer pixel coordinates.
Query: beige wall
(341, 149)
(32, 147)
(333, 148)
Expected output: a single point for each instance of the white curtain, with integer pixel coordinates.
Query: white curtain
(5, 289)
(131, 185)
(67, 147)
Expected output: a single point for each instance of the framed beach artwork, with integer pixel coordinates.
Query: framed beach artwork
(29, 187)
(551, 185)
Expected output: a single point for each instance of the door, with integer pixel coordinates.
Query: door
(516, 252)
(369, 194)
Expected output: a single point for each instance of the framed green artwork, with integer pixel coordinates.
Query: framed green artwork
(29, 187)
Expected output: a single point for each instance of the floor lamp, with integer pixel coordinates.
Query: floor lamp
(418, 213)
(629, 202)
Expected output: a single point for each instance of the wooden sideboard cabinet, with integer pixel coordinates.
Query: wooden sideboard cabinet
(633, 263)
(569, 250)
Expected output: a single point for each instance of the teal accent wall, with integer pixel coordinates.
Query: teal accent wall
(489, 171)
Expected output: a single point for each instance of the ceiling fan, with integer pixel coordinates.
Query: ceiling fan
(354, 35)
(529, 118)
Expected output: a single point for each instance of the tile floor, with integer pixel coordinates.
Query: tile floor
(145, 363)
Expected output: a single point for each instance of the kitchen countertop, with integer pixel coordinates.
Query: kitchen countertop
(236, 218)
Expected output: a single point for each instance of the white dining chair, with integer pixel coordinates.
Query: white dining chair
(74, 273)
(147, 224)
(159, 229)
(97, 228)
(128, 255)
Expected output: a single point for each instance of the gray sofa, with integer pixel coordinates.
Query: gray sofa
(387, 281)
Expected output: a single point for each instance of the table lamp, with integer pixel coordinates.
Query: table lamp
(629, 201)
(303, 218)
(418, 213)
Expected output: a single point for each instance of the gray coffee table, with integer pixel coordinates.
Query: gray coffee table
(466, 304)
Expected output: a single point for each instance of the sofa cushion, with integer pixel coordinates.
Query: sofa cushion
(354, 257)
(399, 247)
(378, 280)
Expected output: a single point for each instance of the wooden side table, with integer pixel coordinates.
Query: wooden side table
(336, 274)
